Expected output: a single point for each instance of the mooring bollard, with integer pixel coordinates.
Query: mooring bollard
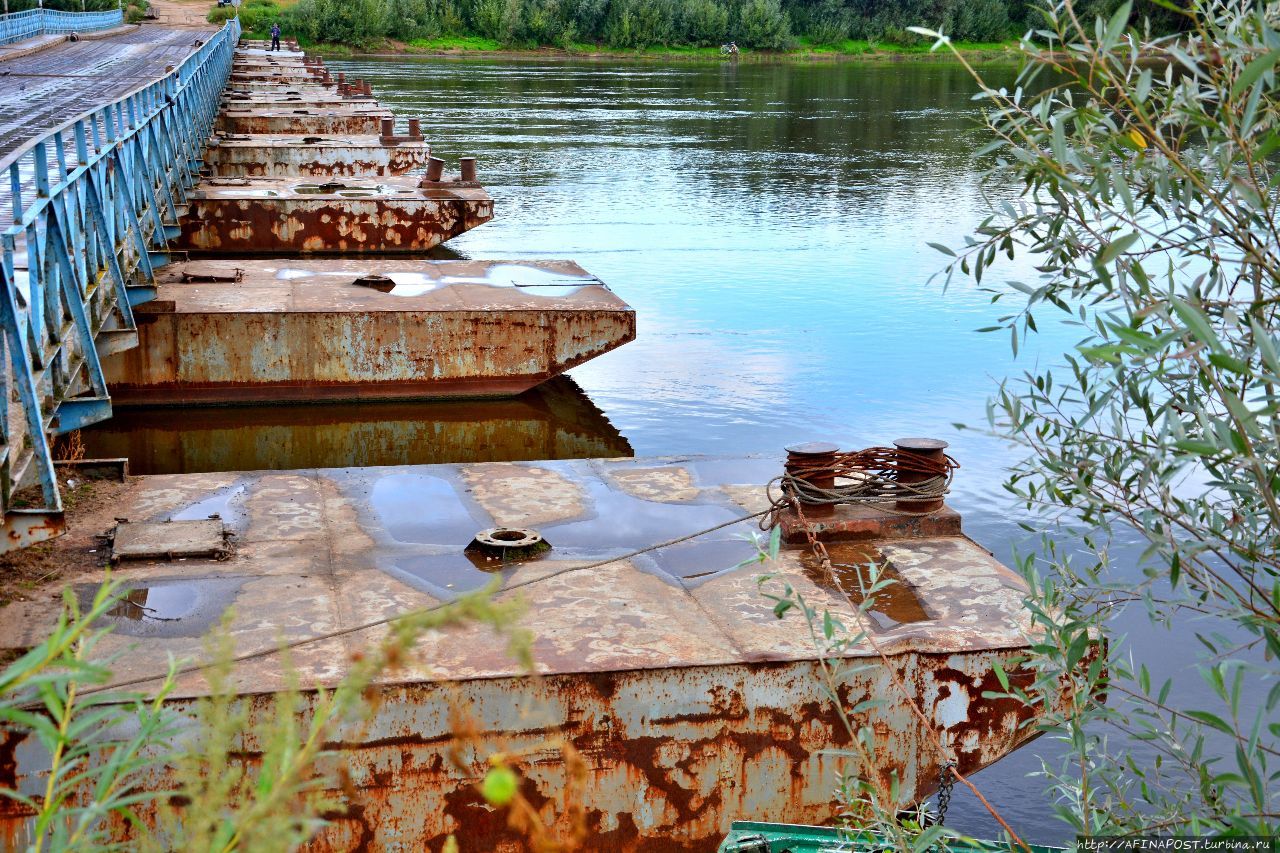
(415, 128)
(388, 130)
(933, 452)
(435, 169)
(814, 463)
(467, 167)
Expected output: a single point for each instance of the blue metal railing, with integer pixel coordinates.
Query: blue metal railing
(93, 204)
(38, 22)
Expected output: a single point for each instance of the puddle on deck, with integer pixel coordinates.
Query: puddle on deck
(226, 504)
(851, 562)
(613, 523)
(542, 282)
(426, 520)
(167, 607)
(348, 191)
(554, 421)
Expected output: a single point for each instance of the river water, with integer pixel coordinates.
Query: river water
(769, 225)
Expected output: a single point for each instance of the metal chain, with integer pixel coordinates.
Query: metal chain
(946, 781)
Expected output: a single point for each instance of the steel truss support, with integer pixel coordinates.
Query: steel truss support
(94, 205)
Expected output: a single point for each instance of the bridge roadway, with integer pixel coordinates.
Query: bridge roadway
(44, 90)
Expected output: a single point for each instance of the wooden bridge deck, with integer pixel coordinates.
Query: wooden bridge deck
(44, 90)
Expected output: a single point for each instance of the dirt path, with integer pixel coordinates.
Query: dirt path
(181, 13)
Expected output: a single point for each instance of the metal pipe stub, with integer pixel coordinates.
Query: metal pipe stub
(931, 450)
(499, 545)
(814, 463)
(388, 132)
(435, 169)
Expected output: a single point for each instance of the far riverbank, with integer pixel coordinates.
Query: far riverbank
(852, 51)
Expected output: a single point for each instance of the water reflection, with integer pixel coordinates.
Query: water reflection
(851, 564)
(167, 607)
(554, 421)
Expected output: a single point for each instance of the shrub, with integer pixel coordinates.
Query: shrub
(355, 22)
(704, 22)
(219, 14)
(980, 20)
(543, 22)
(1147, 199)
(586, 16)
(486, 18)
(631, 24)
(762, 24)
(640, 23)
(259, 15)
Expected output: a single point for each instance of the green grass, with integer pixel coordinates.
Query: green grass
(862, 47)
(850, 48)
(256, 16)
(847, 48)
(457, 43)
(683, 50)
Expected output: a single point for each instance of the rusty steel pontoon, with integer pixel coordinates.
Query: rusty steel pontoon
(295, 330)
(691, 703)
(392, 214)
(283, 156)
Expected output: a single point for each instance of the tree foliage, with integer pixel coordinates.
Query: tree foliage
(1149, 207)
(760, 24)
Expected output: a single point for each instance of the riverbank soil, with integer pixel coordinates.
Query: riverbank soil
(39, 572)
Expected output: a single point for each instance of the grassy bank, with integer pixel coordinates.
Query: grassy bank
(848, 50)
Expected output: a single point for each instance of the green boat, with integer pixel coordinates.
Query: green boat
(749, 836)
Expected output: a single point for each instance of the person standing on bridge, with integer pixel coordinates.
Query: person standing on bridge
(275, 36)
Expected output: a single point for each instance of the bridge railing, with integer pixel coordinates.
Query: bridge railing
(38, 22)
(93, 206)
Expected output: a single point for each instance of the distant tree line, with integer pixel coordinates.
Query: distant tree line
(625, 24)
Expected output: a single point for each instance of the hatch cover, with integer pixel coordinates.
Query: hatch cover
(158, 540)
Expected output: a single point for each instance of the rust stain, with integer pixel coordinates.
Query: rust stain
(278, 161)
(672, 756)
(253, 224)
(318, 122)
